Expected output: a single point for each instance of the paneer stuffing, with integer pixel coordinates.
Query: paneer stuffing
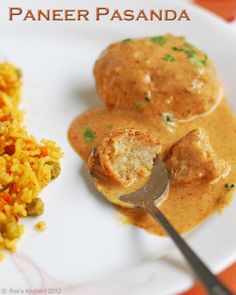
(192, 158)
(124, 157)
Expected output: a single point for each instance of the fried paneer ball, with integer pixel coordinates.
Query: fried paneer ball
(122, 163)
(123, 157)
(192, 158)
(157, 75)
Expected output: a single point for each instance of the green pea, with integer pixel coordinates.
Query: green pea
(35, 208)
(11, 230)
(55, 169)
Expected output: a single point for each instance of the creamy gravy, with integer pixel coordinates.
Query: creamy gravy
(187, 204)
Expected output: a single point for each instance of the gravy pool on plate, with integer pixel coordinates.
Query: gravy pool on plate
(165, 87)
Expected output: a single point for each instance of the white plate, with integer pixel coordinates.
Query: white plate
(84, 242)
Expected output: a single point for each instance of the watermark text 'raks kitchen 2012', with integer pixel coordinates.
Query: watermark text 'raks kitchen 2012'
(98, 14)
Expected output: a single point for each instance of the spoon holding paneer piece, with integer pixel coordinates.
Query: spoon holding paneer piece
(122, 163)
(127, 157)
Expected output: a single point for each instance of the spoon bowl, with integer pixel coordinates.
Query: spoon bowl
(155, 189)
(149, 198)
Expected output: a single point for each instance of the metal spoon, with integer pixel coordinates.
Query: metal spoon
(149, 198)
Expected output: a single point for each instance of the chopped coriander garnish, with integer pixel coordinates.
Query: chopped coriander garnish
(169, 58)
(168, 118)
(159, 40)
(197, 61)
(189, 53)
(177, 49)
(204, 62)
(126, 40)
(229, 185)
(89, 135)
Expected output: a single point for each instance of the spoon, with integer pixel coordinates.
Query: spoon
(149, 197)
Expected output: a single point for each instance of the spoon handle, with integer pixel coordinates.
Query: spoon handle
(210, 282)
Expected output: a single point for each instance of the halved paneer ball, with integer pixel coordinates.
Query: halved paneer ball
(123, 157)
(192, 158)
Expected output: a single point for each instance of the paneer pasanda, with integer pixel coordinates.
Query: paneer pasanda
(192, 158)
(162, 98)
(158, 75)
